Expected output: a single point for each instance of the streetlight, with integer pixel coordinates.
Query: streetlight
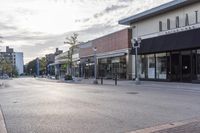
(95, 66)
(136, 44)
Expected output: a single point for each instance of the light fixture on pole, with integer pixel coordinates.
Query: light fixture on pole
(136, 44)
(95, 66)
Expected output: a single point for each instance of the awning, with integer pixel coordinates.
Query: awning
(172, 42)
(111, 55)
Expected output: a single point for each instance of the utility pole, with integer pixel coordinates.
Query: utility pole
(136, 44)
(95, 65)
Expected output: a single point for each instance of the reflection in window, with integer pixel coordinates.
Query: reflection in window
(161, 66)
(198, 64)
(151, 66)
(142, 66)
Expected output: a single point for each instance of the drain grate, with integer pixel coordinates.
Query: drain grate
(133, 93)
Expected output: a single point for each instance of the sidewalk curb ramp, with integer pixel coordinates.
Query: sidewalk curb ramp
(165, 126)
(2, 123)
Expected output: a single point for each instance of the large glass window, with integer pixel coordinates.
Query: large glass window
(161, 66)
(151, 66)
(109, 67)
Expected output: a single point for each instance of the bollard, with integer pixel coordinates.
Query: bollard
(116, 79)
(102, 80)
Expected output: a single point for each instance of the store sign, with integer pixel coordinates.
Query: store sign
(182, 29)
(177, 30)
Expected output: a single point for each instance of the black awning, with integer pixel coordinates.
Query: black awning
(177, 41)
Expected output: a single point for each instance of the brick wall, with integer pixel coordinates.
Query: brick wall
(115, 41)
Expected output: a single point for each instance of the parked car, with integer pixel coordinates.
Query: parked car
(4, 76)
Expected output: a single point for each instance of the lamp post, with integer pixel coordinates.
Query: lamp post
(95, 66)
(136, 44)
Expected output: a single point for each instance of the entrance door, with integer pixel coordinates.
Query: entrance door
(175, 67)
(186, 66)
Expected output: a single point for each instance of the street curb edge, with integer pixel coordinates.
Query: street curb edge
(2, 123)
(165, 126)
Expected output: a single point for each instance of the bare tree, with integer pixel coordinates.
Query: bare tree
(72, 41)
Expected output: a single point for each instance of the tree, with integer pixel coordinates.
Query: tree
(31, 67)
(72, 41)
(43, 65)
(6, 66)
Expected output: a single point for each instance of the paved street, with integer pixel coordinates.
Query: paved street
(37, 106)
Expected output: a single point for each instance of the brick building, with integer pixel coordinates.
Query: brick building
(112, 56)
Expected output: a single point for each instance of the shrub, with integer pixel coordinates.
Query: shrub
(68, 77)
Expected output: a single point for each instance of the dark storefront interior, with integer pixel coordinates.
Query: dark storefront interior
(177, 66)
(174, 57)
(110, 67)
(107, 67)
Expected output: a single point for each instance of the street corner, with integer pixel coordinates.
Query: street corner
(187, 126)
(2, 123)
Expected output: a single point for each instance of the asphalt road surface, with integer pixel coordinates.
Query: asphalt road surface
(36, 106)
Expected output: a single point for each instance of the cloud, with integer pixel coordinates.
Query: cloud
(38, 27)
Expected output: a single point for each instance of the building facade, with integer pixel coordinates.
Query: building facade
(112, 53)
(170, 47)
(15, 58)
(19, 62)
(50, 59)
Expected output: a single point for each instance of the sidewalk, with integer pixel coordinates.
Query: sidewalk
(157, 84)
(130, 83)
(188, 126)
(2, 123)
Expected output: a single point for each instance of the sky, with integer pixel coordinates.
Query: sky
(37, 27)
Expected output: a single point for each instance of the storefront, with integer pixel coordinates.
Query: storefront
(110, 67)
(174, 57)
(87, 67)
(112, 56)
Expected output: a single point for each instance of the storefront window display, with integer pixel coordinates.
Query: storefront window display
(142, 66)
(161, 66)
(109, 67)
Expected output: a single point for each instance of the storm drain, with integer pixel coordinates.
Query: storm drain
(133, 93)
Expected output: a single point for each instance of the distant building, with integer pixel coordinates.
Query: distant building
(50, 58)
(16, 58)
(19, 62)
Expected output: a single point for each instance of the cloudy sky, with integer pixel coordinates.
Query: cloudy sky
(37, 27)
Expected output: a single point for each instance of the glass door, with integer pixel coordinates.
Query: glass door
(186, 66)
(175, 66)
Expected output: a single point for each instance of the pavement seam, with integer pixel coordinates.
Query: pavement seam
(165, 126)
(3, 128)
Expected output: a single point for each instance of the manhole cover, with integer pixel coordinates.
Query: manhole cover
(133, 93)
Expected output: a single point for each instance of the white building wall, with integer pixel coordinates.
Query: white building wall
(19, 62)
(150, 26)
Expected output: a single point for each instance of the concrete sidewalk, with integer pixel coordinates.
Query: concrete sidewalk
(131, 83)
(188, 126)
(2, 123)
(157, 84)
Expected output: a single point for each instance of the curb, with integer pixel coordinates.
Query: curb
(2, 123)
(165, 126)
